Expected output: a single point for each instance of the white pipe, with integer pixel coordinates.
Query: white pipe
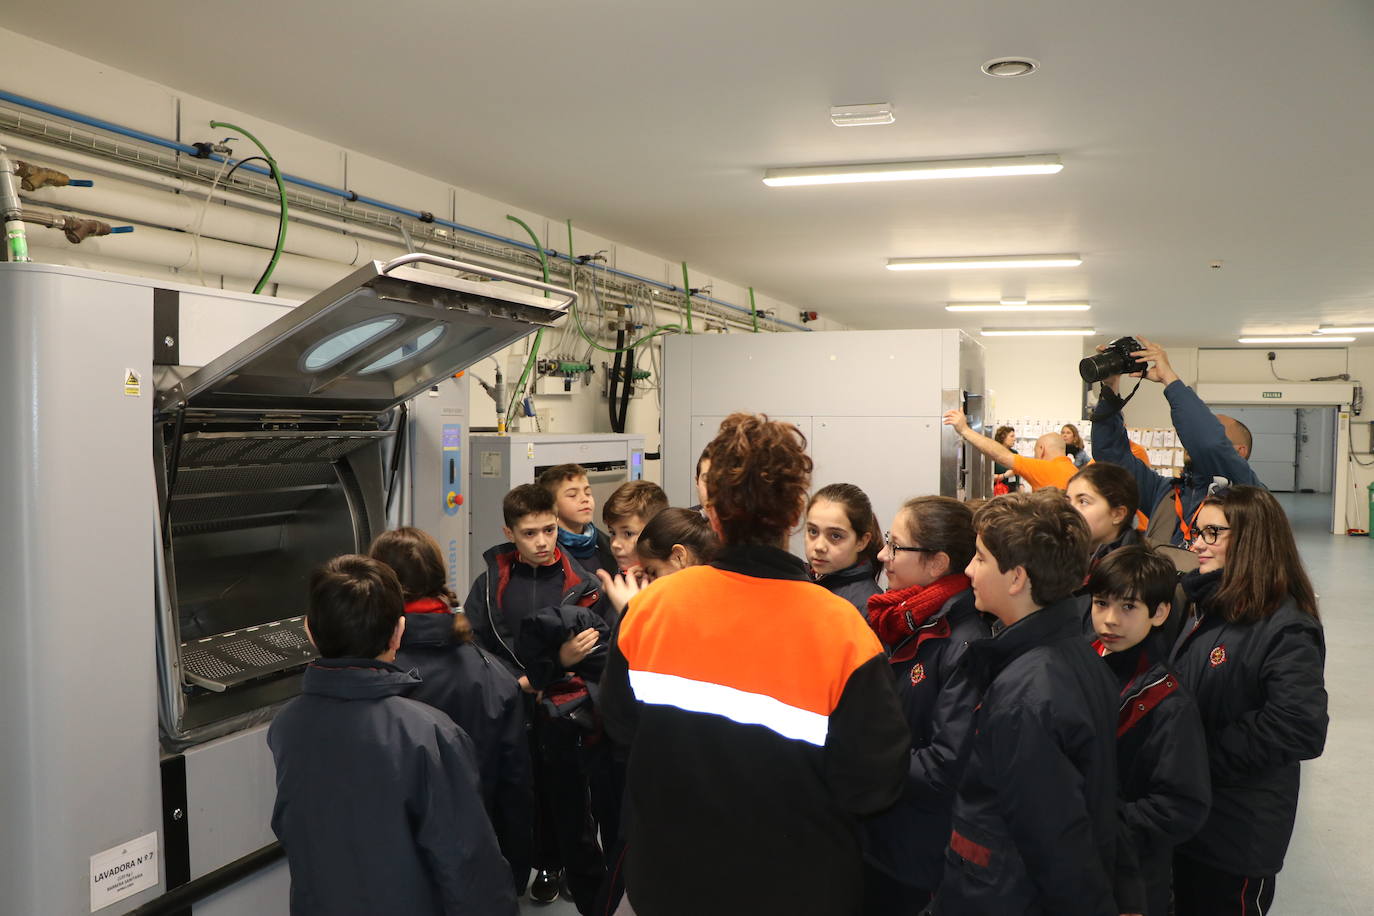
(152, 246)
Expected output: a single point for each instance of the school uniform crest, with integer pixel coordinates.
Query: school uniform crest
(1218, 656)
(918, 674)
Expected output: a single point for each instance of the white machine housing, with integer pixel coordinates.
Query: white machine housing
(869, 403)
(502, 462)
(89, 663)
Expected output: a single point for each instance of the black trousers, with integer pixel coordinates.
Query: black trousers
(1201, 890)
(565, 832)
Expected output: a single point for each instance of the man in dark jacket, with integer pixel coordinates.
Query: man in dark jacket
(1217, 446)
(378, 804)
(515, 607)
(1035, 818)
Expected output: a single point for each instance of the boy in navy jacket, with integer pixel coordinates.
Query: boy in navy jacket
(1161, 750)
(378, 803)
(1035, 818)
(542, 615)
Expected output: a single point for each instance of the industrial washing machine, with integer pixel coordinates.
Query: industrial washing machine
(176, 462)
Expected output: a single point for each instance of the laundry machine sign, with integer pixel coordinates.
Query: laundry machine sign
(123, 871)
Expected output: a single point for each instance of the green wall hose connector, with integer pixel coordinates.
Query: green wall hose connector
(281, 194)
(687, 294)
(538, 337)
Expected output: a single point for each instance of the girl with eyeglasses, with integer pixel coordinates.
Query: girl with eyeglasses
(842, 543)
(926, 620)
(1252, 652)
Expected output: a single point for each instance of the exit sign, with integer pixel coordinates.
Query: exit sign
(1271, 394)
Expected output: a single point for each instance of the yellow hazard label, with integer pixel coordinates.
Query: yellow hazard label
(133, 383)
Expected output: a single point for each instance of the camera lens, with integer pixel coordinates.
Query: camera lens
(1097, 367)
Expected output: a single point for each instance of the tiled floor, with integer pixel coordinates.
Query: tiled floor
(1329, 868)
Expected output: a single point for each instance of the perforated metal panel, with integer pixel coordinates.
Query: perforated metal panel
(228, 659)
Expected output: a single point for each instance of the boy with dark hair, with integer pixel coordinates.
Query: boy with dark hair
(543, 616)
(378, 803)
(1035, 817)
(575, 507)
(1161, 749)
(626, 513)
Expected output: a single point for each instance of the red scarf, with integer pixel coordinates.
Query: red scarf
(428, 606)
(896, 616)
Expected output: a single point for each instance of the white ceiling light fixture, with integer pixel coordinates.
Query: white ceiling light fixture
(1022, 306)
(871, 115)
(917, 170)
(1038, 332)
(1357, 329)
(989, 262)
(1309, 339)
(1009, 67)
(1014, 301)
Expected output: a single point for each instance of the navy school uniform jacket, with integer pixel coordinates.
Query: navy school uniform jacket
(1161, 757)
(908, 841)
(378, 804)
(1199, 431)
(1035, 827)
(1261, 692)
(482, 697)
(855, 584)
(762, 724)
(509, 592)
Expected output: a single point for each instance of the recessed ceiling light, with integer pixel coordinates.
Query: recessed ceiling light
(985, 262)
(1023, 306)
(855, 173)
(1358, 329)
(1007, 67)
(1038, 332)
(874, 115)
(1309, 339)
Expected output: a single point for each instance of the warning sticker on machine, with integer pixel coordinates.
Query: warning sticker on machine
(133, 383)
(491, 464)
(123, 871)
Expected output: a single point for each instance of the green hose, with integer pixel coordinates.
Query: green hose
(534, 350)
(577, 319)
(753, 310)
(687, 294)
(281, 193)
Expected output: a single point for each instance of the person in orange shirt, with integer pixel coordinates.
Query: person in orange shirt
(1049, 468)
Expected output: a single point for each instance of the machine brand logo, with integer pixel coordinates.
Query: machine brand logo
(1218, 656)
(1271, 394)
(918, 674)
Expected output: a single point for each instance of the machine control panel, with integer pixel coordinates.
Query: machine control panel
(452, 470)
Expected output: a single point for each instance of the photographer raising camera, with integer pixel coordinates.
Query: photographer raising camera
(1215, 446)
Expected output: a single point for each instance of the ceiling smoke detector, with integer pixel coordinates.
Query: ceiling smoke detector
(873, 115)
(1011, 66)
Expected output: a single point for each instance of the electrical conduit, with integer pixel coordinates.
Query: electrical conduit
(346, 194)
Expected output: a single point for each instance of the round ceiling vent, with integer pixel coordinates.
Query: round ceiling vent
(1011, 66)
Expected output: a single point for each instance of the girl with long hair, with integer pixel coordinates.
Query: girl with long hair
(1253, 654)
(1074, 446)
(842, 542)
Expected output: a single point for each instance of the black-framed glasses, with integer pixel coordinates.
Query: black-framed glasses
(1208, 534)
(893, 547)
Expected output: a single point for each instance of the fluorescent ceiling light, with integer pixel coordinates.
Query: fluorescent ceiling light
(1310, 338)
(1023, 306)
(1038, 332)
(874, 115)
(911, 171)
(996, 261)
(1014, 301)
(1358, 329)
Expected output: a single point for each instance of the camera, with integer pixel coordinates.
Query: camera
(1114, 360)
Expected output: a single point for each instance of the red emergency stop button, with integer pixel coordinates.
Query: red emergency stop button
(454, 500)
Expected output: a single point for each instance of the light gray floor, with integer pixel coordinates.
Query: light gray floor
(1329, 868)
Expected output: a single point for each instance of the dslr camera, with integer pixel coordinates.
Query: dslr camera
(1114, 360)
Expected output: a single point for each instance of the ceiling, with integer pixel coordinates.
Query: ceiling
(1228, 130)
